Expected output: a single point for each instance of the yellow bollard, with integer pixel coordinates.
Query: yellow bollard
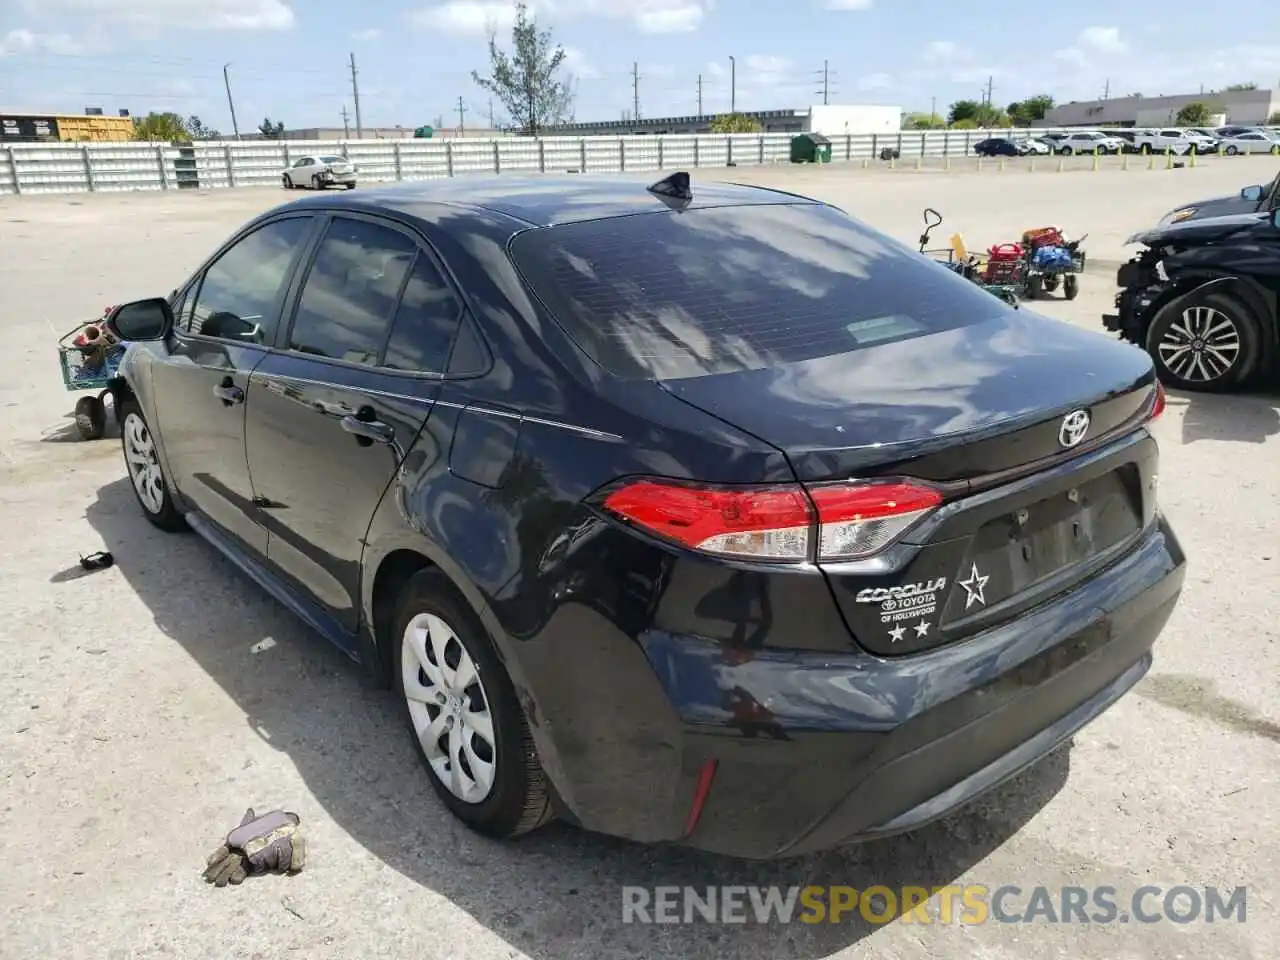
(1062, 164)
(1168, 158)
(920, 162)
(1031, 164)
(1151, 160)
(865, 163)
(893, 162)
(1095, 160)
(979, 164)
(947, 164)
(1192, 157)
(1002, 164)
(1124, 161)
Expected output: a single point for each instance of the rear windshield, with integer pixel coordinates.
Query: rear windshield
(729, 289)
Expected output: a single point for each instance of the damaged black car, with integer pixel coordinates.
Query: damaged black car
(1200, 298)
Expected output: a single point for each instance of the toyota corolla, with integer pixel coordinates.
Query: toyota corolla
(705, 515)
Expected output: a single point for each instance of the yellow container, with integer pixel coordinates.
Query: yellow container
(75, 128)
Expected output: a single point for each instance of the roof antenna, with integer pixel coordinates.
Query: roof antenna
(674, 190)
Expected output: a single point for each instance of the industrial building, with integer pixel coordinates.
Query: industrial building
(371, 133)
(832, 120)
(46, 127)
(1238, 106)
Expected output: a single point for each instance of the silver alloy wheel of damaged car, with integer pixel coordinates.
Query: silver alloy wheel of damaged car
(1202, 345)
(143, 462)
(449, 708)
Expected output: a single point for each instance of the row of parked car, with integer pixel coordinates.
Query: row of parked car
(1179, 141)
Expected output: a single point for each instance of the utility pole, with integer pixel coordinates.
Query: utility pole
(462, 113)
(933, 109)
(355, 93)
(699, 94)
(826, 83)
(1106, 90)
(635, 90)
(226, 80)
(346, 123)
(492, 124)
(733, 85)
(990, 87)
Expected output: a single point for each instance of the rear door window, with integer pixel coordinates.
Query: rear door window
(351, 291)
(425, 323)
(725, 289)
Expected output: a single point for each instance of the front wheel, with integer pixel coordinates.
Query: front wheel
(351, 186)
(1035, 287)
(1232, 150)
(466, 721)
(1066, 151)
(286, 182)
(316, 182)
(142, 459)
(91, 418)
(1070, 286)
(1208, 343)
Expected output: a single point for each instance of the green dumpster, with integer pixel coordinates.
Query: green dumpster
(810, 148)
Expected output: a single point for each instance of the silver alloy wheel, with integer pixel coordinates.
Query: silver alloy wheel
(143, 463)
(1201, 346)
(449, 708)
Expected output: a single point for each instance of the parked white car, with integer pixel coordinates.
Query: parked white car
(319, 172)
(1252, 141)
(1175, 141)
(1088, 141)
(1033, 147)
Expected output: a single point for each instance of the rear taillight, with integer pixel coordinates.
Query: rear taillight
(1157, 407)
(785, 524)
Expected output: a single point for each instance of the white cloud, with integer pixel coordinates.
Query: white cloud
(875, 81)
(1104, 40)
(763, 70)
(848, 4)
(681, 19)
(370, 33)
(466, 17)
(575, 61)
(202, 15)
(17, 42)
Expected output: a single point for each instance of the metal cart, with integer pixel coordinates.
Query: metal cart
(89, 366)
(972, 268)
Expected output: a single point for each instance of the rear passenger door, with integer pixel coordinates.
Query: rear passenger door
(338, 405)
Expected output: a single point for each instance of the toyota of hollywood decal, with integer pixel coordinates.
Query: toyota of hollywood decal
(910, 606)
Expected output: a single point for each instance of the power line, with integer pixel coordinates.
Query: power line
(355, 93)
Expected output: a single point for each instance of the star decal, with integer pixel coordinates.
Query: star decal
(973, 587)
(922, 628)
(896, 633)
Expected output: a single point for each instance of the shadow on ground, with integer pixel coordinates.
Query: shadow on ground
(1233, 417)
(552, 894)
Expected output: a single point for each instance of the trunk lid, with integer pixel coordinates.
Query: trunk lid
(979, 411)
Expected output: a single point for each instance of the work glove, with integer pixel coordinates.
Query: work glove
(266, 844)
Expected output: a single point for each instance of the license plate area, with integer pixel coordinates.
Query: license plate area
(1018, 552)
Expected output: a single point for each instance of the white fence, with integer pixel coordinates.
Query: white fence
(79, 167)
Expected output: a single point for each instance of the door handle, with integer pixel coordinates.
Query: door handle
(228, 392)
(370, 431)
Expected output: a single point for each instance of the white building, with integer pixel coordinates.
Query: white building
(832, 120)
(1239, 106)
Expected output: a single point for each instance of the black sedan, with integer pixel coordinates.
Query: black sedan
(997, 147)
(1200, 298)
(705, 515)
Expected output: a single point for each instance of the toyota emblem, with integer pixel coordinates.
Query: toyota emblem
(1074, 426)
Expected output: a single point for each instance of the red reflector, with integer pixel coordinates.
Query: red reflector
(1157, 407)
(705, 776)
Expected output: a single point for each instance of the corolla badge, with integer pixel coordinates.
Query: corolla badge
(1074, 427)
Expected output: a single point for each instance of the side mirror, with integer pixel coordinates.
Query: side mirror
(141, 320)
(1275, 218)
(1253, 194)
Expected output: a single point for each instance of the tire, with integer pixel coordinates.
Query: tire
(1050, 284)
(434, 622)
(146, 476)
(1066, 151)
(1035, 287)
(1070, 286)
(1232, 150)
(316, 183)
(1172, 335)
(91, 418)
(286, 182)
(351, 186)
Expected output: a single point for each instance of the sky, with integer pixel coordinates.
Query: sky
(290, 59)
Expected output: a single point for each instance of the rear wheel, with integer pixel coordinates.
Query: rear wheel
(91, 418)
(316, 182)
(1066, 151)
(142, 459)
(351, 186)
(1208, 343)
(1035, 287)
(1232, 150)
(1070, 286)
(1050, 284)
(286, 182)
(466, 721)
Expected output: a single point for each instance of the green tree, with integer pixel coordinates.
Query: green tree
(168, 127)
(1241, 86)
(963, 110)
(198, 131)
(968, 123)
(1193, 115)
(1274, 119)
(1029, 112)
(526, 82)
(734, 123)
(271, 131)
(989, 116)
(923, 121)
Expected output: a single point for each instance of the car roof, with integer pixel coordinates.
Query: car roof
(548, 200)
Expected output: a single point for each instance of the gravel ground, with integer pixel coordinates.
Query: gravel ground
(143, 711)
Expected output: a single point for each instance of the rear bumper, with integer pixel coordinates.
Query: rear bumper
(814, 751)
(910, 740)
